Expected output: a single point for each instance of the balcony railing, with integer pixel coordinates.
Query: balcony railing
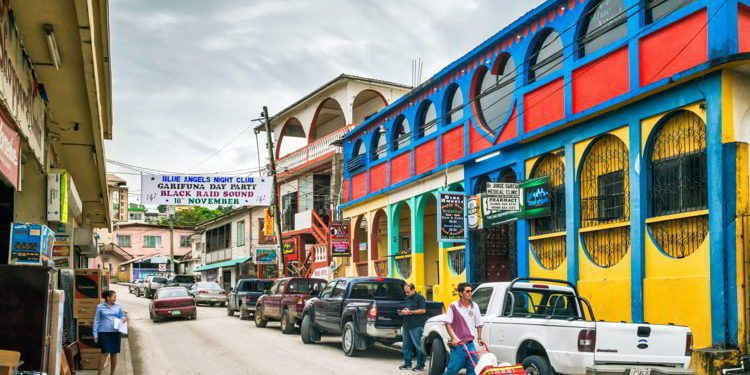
(312, 151)
(218, 256)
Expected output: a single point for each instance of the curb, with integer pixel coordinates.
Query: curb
(127, 359)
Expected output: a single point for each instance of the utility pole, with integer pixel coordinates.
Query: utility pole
(171, 239)
(276, 200)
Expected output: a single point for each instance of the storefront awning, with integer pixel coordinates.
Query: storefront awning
(226, 263)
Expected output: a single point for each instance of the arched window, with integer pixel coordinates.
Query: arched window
(480, 186)
(455, 103)
(605, 199)
(550, 250)
(658, 9)
(379, 144)
(605, 23)
(679, 183)
(546, 56)
(401, 133)
(494, 89)
(427, 119)
(357, 160)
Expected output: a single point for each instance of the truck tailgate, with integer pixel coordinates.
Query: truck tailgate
(388, 314)
(641, 344)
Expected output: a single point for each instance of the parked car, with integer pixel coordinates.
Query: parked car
(244, 295)
(185, 281)
(172, 302)
(208, 292)
(151, 285)
(285, 301)
(133, 287)
(546, 326)
(363, 310)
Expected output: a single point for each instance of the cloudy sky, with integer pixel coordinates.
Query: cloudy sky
(190, 74)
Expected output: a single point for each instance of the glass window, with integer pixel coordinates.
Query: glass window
(328, 289)
(542, 304)
(219, 238)
(357, 160)
(184, 241)
(495, 93)
(427, 119)
(605, 24)
(152, 242)
(401, 133)
(379, 291)
(304, 286)
(658, 9)
(338, 291)
(456, 111)
(208, 285)
(379, 144)
(611, 195)
(123, 240)
(482, 297)
(171, 293)
(547, 56)
(241, 233)
(288, 209)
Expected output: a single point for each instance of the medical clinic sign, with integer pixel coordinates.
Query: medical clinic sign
(189, 190)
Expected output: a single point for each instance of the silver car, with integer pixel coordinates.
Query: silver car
(208, 292)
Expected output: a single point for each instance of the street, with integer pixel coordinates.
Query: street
(217, 344)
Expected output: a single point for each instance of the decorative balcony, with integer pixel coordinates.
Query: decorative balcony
(312, 151)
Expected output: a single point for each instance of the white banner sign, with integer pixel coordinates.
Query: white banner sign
(503, 196)
(189, 190)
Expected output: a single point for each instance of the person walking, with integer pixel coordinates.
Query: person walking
(464, 324)
(413, 320)
(105, 333)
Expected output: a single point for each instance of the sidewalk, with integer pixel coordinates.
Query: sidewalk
(124, 362)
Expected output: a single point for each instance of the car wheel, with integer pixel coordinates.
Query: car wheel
(244, 313)
(230, 312)
(260, 320)
(537, 365)
(287, 326)
(349, 340)
(307, 330)
(437, 357)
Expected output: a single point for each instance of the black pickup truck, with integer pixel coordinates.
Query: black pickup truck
(363, 310)
(244, 295)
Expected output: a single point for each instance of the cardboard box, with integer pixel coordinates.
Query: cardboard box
(85, 308)
(9, 362)
(86, 343)
(88, 283)
(90, 360)
(30, 244)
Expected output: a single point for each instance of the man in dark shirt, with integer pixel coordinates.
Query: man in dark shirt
(413, 324)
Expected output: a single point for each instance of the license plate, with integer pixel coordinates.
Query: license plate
(640, 371)
(177, 312)
(213, 299)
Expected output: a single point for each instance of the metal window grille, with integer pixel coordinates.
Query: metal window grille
(605, 199)
(678, 166)
(658, 9)
(681, 237)
(552, 166)
(456, 261)
(550, 251)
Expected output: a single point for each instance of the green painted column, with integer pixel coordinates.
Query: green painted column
(417, 240)
(393, 233)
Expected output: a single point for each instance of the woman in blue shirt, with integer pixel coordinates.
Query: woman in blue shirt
(105, 332)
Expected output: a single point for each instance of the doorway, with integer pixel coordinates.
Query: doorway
(226, 279)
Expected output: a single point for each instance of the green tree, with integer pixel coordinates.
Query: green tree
(196, 215)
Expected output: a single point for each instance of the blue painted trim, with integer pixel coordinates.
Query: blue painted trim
(730, 212)
(522, 231)
(716, 217)
(724, 23)
(573, 212)
(638, 193)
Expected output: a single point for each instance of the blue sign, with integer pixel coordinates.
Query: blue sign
(30, 244)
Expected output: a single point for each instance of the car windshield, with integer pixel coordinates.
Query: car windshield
(172, 293)
(184, 279)
(541, 304)
(304, 286)
(209, 285)
(160, 280)
(379, 291)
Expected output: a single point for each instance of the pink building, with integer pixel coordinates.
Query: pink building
(147, 239)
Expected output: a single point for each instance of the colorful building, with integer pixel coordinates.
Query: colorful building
(639, 114)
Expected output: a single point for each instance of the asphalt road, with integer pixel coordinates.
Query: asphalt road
(215, 343)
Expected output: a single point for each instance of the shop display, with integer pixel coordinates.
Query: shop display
(30, 244)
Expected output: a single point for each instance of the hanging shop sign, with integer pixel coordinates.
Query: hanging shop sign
(57, 196)
(10, 153)
(30, 244)
(268, 223)
(340, 239)
(288, 247)
(451, 217)
(266, 254)
(503, 196)
(474, 211)
(536, 197)
(189, 190)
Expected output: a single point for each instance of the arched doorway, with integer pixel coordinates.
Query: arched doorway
(431, 256)
(292, 138)
(367, 103)
(359, 245)
(379, 240)
(494, 246)
(329, 117)
(403, 244)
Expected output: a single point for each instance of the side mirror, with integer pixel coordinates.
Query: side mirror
(315, 293)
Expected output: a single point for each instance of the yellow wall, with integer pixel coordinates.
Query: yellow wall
(448, 281)
(431, 251)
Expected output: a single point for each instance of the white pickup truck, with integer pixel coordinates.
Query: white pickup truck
(546, 326)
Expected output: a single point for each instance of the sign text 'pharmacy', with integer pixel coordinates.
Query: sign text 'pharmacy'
(188, 190)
